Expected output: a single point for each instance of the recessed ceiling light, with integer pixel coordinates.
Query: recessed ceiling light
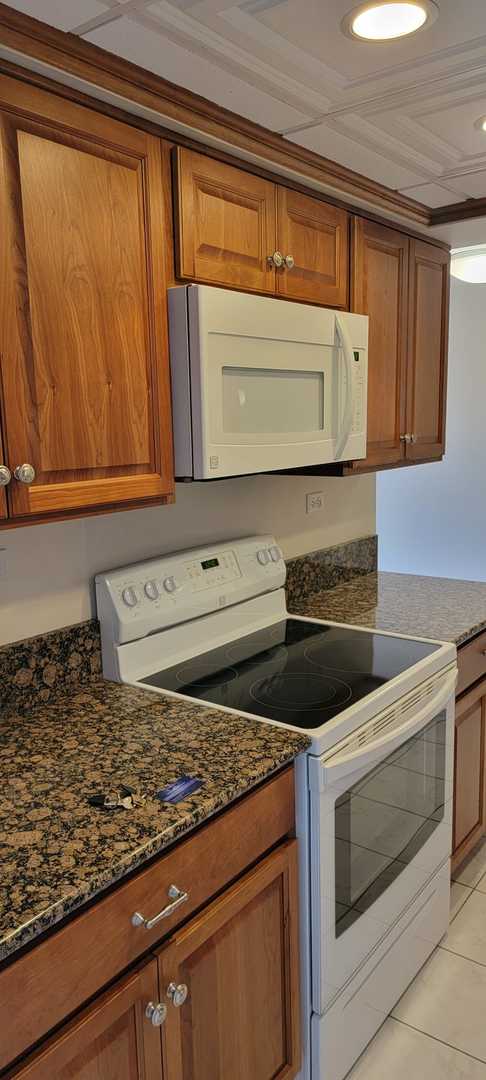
(481, 123)
(469, 264)
(385, 20)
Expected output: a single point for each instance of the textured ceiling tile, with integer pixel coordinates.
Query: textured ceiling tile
(332, 144)
(65, 14)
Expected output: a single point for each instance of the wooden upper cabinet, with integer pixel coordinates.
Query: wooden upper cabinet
(316, 236)
(238, 963)
(380, 290)
(3, 490)
(110, 1040)
(83, 335)
(428, 336)
(225, 227)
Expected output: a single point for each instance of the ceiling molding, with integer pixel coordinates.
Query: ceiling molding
(67, 58)
(459, 211)
(68, 54)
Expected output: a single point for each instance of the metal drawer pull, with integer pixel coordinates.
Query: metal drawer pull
(177, 992)
(157, 1014)
(175, 895)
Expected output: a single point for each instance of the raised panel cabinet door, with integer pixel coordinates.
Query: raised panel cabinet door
(4, 484)
(225, 223)
(469, 772)
(236, 965)
(112, 1039)
(83, 335)
(316, 237)
(380, 289)
(428, 337)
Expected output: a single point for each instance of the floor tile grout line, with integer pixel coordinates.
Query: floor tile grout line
(465, 1053)
(452, 952)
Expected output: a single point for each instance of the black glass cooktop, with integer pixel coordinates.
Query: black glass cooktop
(295, 672)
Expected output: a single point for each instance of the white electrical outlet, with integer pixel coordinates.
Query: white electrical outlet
(314, 502)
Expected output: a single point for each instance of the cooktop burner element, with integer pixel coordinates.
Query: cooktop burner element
(298, 672)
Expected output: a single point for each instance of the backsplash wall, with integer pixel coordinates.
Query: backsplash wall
(49, 569)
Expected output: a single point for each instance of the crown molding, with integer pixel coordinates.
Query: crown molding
(68, 55)
(41, 50)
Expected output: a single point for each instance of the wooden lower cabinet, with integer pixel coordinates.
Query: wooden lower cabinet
(238, 963)
(469, 772)
(110, 1040)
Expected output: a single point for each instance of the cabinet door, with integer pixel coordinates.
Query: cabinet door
(225, 229)
(316, 235)
(110, 1040)
(239, 963)
(428, 335)
(469, 772)
(380, 290)
(3, 490)
(83, 336)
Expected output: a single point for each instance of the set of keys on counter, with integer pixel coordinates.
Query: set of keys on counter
(125, 798)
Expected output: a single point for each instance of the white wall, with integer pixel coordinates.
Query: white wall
(432, 518)
(48, 569)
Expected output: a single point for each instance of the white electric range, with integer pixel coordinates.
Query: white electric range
(374, 791)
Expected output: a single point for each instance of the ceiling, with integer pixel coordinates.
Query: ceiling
(402, 113)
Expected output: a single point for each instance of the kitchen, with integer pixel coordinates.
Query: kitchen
(224, 329)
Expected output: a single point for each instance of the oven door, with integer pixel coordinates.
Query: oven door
(279, 385)
(381, 826)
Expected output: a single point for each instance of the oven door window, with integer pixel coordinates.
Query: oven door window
(385, 818)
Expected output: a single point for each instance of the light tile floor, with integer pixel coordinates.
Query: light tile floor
(438, 1028)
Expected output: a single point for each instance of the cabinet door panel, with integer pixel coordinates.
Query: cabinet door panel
(428, 332)
(380, 290)
(226, 224)
(469, 772)
(110, 1040)
(239, 962)
(316, 235)
(83, 336)
(3, 490)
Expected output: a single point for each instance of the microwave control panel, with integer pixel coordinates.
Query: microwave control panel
(359, 386)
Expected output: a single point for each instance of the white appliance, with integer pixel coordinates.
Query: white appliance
(374, 791)
(260, 385)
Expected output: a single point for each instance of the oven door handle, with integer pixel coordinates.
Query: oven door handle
(340, 765)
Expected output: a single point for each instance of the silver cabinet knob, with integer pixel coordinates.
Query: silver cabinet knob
(289, 262)
(276, 259)
(25, 473)
(5, 476)
(157, 1014)
(177, 992)
(408, 438)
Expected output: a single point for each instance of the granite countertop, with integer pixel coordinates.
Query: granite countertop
(56, 850)
(440, 608)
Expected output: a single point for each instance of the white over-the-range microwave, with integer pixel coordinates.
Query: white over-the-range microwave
(262, 385)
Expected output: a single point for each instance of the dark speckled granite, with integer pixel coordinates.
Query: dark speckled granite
(35, 670)
(323, 569)
(56, 850)
(438, 608)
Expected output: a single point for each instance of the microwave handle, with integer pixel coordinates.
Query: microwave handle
(347, 424)
(344, 763)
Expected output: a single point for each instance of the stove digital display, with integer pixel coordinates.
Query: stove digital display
(209, 563)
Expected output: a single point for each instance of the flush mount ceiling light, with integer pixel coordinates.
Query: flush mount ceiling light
(469, 264)
(481, 123)
(385, 20)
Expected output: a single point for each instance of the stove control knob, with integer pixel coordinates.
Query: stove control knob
(152, 590)
(170, 584)
(275, 553)
(130, 597)
(263, 557)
